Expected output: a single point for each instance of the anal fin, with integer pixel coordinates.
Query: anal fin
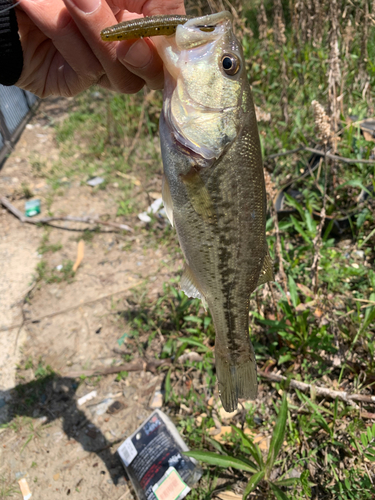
(189, 287)
(266, 274)
(167, 199)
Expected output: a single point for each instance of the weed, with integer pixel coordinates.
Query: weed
(88, 234)
(7, 488)
(26, 191)
(45, 273)
(45, 247)
(261, 470)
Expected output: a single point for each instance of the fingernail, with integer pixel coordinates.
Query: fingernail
(87, 6)
(139, 54)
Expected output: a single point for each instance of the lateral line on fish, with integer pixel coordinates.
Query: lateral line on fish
(236, 261)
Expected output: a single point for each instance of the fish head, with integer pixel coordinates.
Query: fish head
(205, 77)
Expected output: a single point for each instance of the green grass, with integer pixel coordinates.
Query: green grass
(325, 338)
(51, 275)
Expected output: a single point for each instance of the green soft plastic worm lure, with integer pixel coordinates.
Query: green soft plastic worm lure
(147, 26)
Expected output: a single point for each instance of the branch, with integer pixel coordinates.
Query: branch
(321, 391)
(68, 309)
(135, 366)
(47, 220)
(143, 365)
(320, 153)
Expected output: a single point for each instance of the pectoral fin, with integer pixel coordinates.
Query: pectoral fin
(266, 273)
(167, 199)
(198, 195)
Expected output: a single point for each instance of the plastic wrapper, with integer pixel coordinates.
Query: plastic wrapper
(152, 457)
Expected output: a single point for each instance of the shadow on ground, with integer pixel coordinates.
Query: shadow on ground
(53, 397)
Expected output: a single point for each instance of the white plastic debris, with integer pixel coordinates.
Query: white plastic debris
(102, 407)
(155, 206)
(144, 217)
(95, 181)
(86, 397)
(152, 209)
(59, 267)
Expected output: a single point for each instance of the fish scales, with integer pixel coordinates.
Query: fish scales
(213, 183)
(218, 203)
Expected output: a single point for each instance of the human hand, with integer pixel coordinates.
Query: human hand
(64, 54)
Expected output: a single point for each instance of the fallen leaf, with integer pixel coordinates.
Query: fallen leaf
(228, 495)
(80, 255)
(318, 313)
(154, 195)
(199, 419)
(261, 441)
(306, 291)
(225, 429)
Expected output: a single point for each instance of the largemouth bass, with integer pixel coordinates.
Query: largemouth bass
(213, 186)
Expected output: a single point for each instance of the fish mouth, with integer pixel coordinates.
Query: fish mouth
(203, 122)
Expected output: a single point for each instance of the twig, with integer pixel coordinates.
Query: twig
(321, 391)
(147, 99)
(68, 309)
(317, 241)
(320, 153)
(47, 220)
(138, 133)
(135, 366)
(370, 302)
(284, 153)
(367, 238)
(122, 497)
(278, 250)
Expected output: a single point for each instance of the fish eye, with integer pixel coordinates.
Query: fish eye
(230, 64)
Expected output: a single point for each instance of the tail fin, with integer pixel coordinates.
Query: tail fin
(237, 380)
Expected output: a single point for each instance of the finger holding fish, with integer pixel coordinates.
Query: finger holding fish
(63, 53)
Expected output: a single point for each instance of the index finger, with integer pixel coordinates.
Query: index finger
(91, 16)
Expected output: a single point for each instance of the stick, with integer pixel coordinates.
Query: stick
(321, 391)
(142, 365)
(317, 241)
(46, 220)
(320, 153)
(278, 251)
(68, 309)
(135, 366)
(284, 153)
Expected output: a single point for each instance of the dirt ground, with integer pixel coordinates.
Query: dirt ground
(61, 448)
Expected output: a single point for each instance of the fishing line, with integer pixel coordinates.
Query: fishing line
(11, 6)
